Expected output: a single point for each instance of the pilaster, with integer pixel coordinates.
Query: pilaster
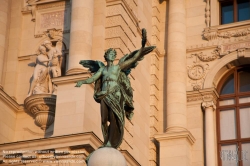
(175, 148)
(81, 32)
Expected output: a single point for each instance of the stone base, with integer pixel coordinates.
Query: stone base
(107, 156)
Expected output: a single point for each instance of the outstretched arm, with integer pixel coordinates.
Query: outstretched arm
(91, 79)
(137, 56)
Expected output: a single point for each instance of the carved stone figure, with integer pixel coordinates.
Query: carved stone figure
(113, 90)
(41, 80)
(54, 54)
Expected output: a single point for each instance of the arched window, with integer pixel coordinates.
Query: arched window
(233, 118)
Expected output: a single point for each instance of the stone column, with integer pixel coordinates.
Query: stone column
(176, 67)
(3, 31)
(176, 142)
(209, 107)
(81, 31)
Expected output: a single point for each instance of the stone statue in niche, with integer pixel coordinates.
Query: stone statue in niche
(113, 90)
(54, 53)
(48, 65)
(41, 82)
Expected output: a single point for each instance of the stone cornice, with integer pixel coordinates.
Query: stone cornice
(35, 2)
(209, 94)
(87, 142)
(10, 101)
(71, 78)
(129, 158)
(88, 138)
(175, 135)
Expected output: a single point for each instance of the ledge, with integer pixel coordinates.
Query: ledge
(88, 138)
(233, 25)
(10, 101)
(86, 142)
(70, 78)
(175, 135)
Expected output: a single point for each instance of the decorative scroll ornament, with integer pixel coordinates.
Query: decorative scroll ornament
(210, 33)
(42, 108)
(205, 58)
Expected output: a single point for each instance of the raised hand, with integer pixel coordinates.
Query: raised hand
(144, 37)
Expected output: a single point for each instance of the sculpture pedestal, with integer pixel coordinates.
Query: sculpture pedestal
(107, 156)
(42, 108)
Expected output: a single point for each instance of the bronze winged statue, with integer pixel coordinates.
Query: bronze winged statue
(113, 90)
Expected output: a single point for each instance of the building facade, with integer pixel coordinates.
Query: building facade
(191, 94)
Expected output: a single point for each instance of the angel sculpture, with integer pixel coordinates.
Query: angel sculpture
(113, 90)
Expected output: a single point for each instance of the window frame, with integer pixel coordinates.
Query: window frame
(235, 10)
(236, 95)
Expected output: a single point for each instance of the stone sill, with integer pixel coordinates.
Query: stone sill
(232, 26)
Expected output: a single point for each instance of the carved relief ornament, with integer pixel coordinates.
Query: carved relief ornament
(197, 73)
(213, 33)
(42, 108)
(204, 57)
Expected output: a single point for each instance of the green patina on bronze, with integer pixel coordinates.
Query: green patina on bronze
(113, 90)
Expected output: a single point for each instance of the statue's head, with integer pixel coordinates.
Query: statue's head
(42, 50)
(110, 54)
(47, 44)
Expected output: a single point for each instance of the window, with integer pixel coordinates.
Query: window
(234, 10)
(233, 118)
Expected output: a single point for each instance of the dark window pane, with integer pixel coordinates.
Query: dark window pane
(228, 86)
(243, 10)
(227, 13)
(244, 81)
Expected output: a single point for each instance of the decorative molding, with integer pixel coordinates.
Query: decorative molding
(227, 31)
(42, 108)
(210, 33)
(221, 50)
(52, 33)
(26, 10)
(205, 58)
(175, 135)
(207, 13)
